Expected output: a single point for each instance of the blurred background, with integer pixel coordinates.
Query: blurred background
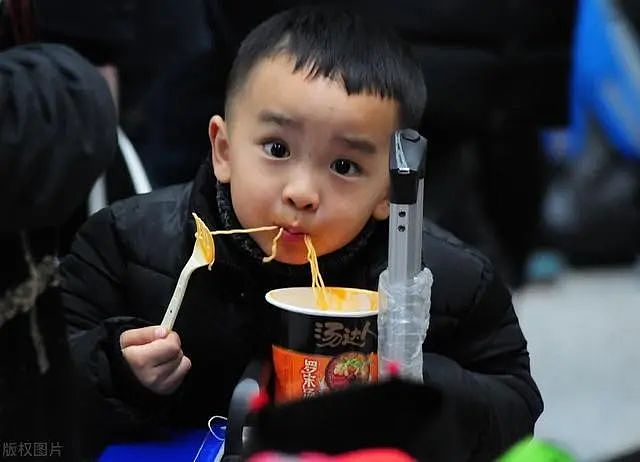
(582, 334)
(533, 121)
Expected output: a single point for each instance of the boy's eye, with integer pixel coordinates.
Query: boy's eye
(276, 149)
(345, 167)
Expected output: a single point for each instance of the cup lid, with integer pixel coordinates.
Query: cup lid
(348, 302)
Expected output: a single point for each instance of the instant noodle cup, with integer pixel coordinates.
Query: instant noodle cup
(316, 350)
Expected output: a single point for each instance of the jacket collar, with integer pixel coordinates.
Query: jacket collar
(203, 203)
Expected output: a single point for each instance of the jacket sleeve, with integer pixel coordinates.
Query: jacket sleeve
(485, 378)
(57, 134)
(93, 295)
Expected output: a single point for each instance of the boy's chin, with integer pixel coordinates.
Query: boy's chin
(292, 259)
(291, 256)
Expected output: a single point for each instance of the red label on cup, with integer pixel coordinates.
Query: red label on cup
(303, 375)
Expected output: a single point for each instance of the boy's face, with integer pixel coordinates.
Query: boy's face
(301, 154)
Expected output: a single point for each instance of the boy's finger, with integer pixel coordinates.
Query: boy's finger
(154, 353)
(161, 351)
(141, 336)
(166, 368)
(173, 381)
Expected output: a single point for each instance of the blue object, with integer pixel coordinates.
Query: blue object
(605, 83)
(544, 266)
(199, 445)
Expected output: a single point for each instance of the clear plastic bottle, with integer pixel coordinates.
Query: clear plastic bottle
(403, 319)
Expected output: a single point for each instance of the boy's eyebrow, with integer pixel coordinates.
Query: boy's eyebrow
(358, 144)
(278, 118)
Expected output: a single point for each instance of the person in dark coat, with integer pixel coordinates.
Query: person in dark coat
(57, 134)
(304, 146)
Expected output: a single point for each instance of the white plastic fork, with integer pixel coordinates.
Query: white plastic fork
(203, 254)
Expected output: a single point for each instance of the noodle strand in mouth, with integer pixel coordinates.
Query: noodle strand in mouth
(317, 283)
(244, 231)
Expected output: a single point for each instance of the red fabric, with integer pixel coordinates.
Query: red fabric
(374, 455)
(363, 455)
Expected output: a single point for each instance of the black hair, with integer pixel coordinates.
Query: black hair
(338, 44)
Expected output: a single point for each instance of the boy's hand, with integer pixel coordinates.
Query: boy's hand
(155, 357)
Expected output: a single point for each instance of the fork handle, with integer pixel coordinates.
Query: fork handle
(178, 294)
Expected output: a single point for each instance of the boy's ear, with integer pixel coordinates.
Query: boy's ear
(219, 138)
(381, 210)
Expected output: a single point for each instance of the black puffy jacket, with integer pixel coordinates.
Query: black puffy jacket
(124, 265)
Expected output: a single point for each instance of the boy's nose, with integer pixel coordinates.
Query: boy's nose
(301, 194)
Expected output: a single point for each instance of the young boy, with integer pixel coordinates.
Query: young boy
(313, 98)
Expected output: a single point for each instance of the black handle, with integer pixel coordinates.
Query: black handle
(407, 157)
(256, 377)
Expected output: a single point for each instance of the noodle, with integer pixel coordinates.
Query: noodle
(245, 231)
(209, 248)
(274, 247)
(317, 283)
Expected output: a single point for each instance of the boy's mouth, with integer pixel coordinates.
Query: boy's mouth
(292, 234)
